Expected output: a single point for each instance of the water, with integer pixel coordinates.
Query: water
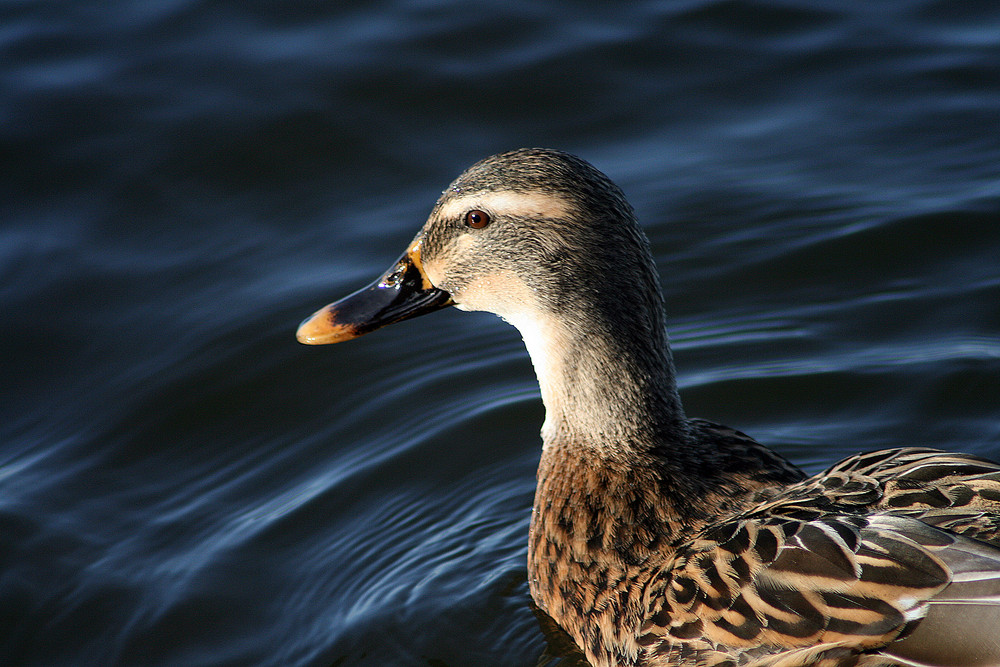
(183, 182)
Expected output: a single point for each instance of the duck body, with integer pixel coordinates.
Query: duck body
(834, 569)
(661, 540)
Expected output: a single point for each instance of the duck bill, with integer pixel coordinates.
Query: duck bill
(403, 292)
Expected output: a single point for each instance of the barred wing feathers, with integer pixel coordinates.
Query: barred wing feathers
(796, 583)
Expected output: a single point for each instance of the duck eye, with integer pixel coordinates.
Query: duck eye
(477, 219)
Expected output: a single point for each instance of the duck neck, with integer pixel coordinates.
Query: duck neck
(605, 388)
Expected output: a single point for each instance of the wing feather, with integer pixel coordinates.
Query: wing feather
(829, 581)
(888, 558)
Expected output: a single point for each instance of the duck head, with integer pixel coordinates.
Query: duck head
(547, 242)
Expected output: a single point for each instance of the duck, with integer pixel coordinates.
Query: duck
(659, 539)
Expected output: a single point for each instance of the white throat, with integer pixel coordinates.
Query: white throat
(545, 340)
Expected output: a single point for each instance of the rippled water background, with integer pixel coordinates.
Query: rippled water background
(183, 181)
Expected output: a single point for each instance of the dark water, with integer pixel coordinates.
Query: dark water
(183, 181)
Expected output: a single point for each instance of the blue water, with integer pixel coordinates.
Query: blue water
(182, 182)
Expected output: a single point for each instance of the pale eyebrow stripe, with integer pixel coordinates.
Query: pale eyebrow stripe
(507, 202)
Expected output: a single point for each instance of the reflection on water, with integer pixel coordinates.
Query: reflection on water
(181, 482)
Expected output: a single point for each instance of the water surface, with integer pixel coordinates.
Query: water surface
(184, 181)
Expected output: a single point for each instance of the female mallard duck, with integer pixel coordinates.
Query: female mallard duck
(662, 540)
